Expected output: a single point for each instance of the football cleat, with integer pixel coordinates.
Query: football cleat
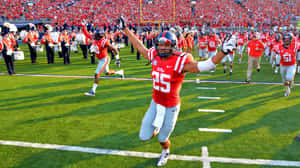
(224, 70)
(122, 74)
(247, 81)
(298, 137)
(276, 71)
(90, 93)
(258, 70)
(163, 158)
(212, 70)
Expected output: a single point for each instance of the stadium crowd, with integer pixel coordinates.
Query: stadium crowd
(216, 13)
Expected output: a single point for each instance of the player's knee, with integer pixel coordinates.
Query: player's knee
(144, 138)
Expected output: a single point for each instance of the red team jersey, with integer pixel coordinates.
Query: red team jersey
(288, 56)
(212, 43)
(276, 45)
(100, 45)
(167, 76)
(202, 43)
(242, 40)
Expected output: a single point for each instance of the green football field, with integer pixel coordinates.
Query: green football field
(54, 110)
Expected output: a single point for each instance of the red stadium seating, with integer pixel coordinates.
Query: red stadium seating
(215, 12)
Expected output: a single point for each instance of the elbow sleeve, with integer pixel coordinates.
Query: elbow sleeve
(205, 65)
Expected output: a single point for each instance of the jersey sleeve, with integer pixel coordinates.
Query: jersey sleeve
(183, 59)
(86, 33)
(151, 53)
(104, 43)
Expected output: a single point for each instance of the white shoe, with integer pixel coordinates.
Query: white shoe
(163, 158)
(276, 71)
(90, 93)
(122, 74)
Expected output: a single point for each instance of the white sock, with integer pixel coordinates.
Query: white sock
(288, 88)
(117, 56)
(230, 70)
(225, 67)
(276, 69)
(166, 150)
(94, 87)
(298, 68)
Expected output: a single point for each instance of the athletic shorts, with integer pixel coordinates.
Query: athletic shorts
(147, 129)
(103, 65)
(287, 72)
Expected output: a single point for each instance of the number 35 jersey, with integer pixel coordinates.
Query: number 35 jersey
(167, 76)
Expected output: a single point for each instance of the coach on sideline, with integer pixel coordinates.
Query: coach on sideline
(255, 51)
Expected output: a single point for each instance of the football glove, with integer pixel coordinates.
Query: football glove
(121, 23)
(83, 22)
(229, 44)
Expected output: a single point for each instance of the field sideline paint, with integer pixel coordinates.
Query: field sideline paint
(149, 79)
(153, 155)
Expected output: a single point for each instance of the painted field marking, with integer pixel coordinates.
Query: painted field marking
(203, 74)
(206, 88)
(154, 155)
(211, 110)
(215, 130)
(206, 164)
(214, 98)
(149, 79)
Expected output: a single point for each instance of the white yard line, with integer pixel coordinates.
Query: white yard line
(203, 74)
(149, 79)
(211, 110)
(215, 130)
(206, 164)
(153, 155)
(206, 88)
(214, 98)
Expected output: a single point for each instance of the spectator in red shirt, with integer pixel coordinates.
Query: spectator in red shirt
(255, 51)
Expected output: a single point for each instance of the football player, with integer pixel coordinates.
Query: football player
(275, 49)
(168, 70)
(230, 58)
(242, 42)
(287, 52)
(213, 42)
(100, 47)
(202, 45)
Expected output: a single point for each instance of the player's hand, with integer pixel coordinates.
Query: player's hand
(229, 44)
(121, 22)
(83, 22)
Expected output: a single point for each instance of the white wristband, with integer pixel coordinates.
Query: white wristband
(205, 65)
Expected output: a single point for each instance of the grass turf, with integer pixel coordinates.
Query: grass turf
(55, 111)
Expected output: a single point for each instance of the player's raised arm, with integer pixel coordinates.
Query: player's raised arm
(85, 32)
(132, 38)
(227, 46)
